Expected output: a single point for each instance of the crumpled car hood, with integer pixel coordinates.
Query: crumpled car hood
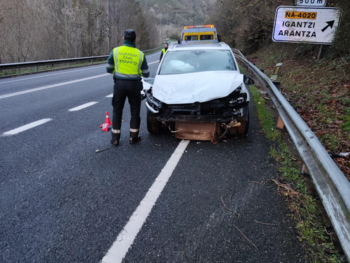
(195, 87)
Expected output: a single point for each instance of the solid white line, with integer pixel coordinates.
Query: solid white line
(50, 86)
(48, 75)
(83, 106)
(26, 127)
(153, 62)
(110, 96)
(127, 236)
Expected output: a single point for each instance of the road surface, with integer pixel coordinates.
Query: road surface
(162, 200)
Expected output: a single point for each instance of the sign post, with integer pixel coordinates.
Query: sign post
(305, 25)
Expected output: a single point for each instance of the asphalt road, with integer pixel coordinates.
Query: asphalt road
(62, 202)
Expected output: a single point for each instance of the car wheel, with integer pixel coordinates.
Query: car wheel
(153, 125)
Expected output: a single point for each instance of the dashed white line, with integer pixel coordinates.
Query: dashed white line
(26, 127)
(83, 106)
(50, 86)
(127, 236)
(109, 96)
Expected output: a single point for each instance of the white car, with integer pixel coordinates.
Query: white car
(198, 93)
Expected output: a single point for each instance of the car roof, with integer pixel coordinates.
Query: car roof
(196, 46)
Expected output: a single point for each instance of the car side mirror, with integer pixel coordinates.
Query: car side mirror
(247, 80)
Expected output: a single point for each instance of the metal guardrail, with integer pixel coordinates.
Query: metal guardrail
(57, 61)
(331, 184)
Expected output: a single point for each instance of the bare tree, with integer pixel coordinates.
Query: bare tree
(46, 29)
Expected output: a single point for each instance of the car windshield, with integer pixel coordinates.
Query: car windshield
(189, 61)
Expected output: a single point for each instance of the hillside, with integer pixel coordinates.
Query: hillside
(318, 90)
(172, 15)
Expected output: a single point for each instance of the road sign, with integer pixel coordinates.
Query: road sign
(305, 25)
(313, 3)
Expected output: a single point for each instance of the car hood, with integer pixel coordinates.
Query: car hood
(195, 87)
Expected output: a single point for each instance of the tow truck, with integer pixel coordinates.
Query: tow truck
(201, 33)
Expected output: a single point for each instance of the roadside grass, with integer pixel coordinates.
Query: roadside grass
(319, 90)
(317, 241)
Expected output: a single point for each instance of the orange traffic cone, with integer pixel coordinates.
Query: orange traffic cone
(106, 124)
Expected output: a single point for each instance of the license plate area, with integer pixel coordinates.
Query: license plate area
(196, 131)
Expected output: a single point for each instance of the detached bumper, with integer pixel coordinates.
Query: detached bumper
(199, 131)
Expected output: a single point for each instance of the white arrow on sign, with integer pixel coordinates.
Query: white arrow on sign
(313, 3)
(305, 25)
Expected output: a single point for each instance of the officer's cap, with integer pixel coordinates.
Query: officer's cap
(130, 34)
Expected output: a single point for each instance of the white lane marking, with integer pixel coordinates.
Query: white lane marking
(50, 86)
(83, 106)
(110, 96)
(48, 75)
(153, 62)
(127, 236)
(26, 127)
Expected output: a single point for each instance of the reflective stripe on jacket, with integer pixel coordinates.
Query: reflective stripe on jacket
(127, 62)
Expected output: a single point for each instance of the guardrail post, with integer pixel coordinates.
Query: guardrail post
(36, 68)
(304, 170)
(280, 123)
(275, 71)
(68, 64)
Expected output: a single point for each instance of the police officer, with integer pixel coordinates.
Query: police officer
(163, 51)
(128, 64)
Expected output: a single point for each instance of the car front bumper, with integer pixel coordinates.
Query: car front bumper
(196, 118)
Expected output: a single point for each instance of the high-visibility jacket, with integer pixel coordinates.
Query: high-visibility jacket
(163, 52)
(127, 62)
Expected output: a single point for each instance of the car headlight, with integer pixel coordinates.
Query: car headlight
(153, 101)
(240, 100)
(233, 102)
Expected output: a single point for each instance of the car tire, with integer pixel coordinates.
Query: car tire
(153, 125)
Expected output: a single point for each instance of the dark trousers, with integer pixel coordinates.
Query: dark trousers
(126, 89)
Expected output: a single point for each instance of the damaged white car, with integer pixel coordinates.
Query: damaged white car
(198, 93)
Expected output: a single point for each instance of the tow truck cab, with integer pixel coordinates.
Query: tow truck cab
(202, 33)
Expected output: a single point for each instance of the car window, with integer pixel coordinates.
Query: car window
(190, 38)
(206, 37)
(189, 61)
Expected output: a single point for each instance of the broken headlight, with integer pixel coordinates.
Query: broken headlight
(238, 101)
(152, 101)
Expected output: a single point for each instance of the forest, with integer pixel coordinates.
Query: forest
(33, 30)
(44, 29)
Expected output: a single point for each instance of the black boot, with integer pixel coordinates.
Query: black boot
(134, 137)
(115, 138)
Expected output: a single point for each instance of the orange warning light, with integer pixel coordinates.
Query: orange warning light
(200, 26)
